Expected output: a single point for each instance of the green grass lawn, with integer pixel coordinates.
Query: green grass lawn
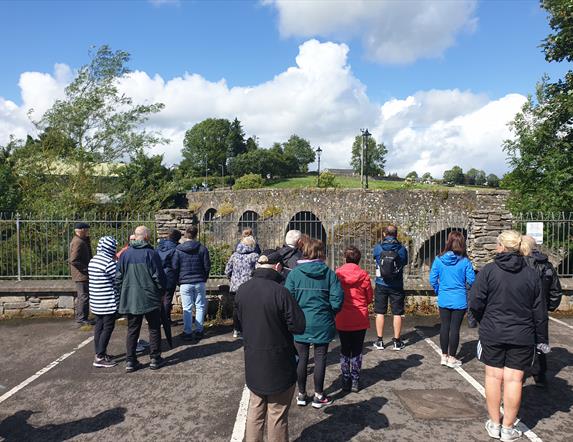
(354, 183)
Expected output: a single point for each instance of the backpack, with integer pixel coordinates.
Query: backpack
(389, 267)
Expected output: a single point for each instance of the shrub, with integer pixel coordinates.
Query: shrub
(327, 179)
(249, 181)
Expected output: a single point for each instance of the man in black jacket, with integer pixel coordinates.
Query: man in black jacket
(269, 315)
(290, 252)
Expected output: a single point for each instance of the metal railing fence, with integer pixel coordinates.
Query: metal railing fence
(37, 247)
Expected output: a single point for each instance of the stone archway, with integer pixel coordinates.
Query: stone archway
(249, 219)
(432, 247)
(308, 223)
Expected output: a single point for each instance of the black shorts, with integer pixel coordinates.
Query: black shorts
(381, 297)
(518, 357)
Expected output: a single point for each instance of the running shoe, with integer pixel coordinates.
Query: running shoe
(346, 384)
(104, 362)
(237, 334)
(509, 434)
(444, 360)
(321, 401)
(378, 345)
(398, 345)
(355, 386)
(132, 366)
(494, 430)
(453, 362)
(301, 399)
(157, 363)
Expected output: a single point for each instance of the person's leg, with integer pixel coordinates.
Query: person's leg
(236, 324)
(154, 324)
(133, 329)
(200, 306)
(301, 369)
(397, 301)
(445, 318)
(512, 387)
(82, 301)
(457, 316)
(98, 327)
(493, 381)
(168, 302)
(256, 414)
(320, 351)
(186, 305)
(356, 358)
(278, 406)
(108, 327)
(345, 353)
(380, 308)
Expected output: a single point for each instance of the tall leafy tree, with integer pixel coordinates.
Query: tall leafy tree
(236, 139)
(475, 177)
(300, 149)
(541, 152)
(374, 158)
(455, 175)
(10, 194)
(413, 175)
(206, 146)
(492, 180)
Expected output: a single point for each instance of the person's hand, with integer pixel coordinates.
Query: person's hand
(544, 348)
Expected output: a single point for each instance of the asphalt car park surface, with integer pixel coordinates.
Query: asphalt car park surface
(407, 395)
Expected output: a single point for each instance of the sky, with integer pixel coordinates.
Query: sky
(436, 81)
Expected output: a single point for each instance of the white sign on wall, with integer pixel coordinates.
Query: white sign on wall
(535, 230)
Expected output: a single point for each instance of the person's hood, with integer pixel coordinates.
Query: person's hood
(314, 269)
(140, 244)
(190, 246)
(288, 252)
(106, 246)
(165, 245)
(351, 274)
(271, 274)
(244, 249)
(391, 243)
(510, 262)
(450, 258)
(539, 257)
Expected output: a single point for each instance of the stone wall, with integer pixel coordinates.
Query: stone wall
(38, 305)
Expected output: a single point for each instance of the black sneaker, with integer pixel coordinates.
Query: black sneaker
(346, 384)
(378, 345)
(398, 345)
(132, 366)
(355, 386)
(104, 362)
(321, 401)
(188, 337)
(157, 363)
(301, 399)
(199, 335)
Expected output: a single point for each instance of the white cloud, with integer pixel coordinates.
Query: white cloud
(318, 98)
(391, 31)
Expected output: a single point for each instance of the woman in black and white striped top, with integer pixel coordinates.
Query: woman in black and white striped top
(104, 298)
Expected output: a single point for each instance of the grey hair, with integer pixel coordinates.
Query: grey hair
(292, 237)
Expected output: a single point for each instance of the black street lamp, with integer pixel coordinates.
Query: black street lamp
(318, 152)
(364, 159)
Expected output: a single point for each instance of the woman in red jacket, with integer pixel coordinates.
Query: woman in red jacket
(352, 321)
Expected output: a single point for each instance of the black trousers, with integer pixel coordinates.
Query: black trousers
(236, 323)
(451, 320)
(320, 351)
(104, 325)
(168, 301)
(351, 342)
(133, 329)
(82, 301)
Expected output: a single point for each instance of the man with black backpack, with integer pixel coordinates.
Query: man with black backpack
(391, 257)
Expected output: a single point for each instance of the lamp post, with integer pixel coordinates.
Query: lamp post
(364, 159)
(318, 152)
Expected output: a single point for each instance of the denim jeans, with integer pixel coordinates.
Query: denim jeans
(193, 295)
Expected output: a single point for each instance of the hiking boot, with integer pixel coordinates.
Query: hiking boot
(509, 434)
(132, 366)
(346, 384)
(104, 362)
(301, 399)
(494, 430)
(355, 386)
(453, 362)
(378, 345)
(397, 345)
(157, 363)
(321, 401)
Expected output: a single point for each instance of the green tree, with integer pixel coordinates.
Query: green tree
(455, 175)
(540, 153)
(300, 149)
(374, 158)
(206, 145)
(251, 144)
(10, 194)
(236, 139)
(412, 175)
(492, 180)
(263, 162)
(427, 177)
(475, 177)
(249, 181)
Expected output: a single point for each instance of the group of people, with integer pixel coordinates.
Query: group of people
(288, 300)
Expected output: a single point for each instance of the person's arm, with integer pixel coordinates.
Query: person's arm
(206, 261)
(540, 314)
(368, 290)
(479, 295)
(376, 252)
(157, 273)
(435, 275)
(293, 314)
(119, 274)
(335, 293)
(75, 258)
(229, 266)
(470, 273)
(555, 292)
(175, 266)
(403, 252)
(111, 272)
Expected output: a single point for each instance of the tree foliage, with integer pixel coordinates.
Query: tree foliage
(206, 146)
(455, 175)
(264, 162)
(249, 181)
(475, 177)
(413, 175)
(300, 149)
(10, 194)
(374, 158)
(493, 180)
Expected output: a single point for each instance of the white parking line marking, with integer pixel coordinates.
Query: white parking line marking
(560, 322)
(520, 425)
(39, 373)
(241, 420)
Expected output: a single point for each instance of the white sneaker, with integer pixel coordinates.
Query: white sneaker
(453, 362)
(509, 434)
(444, 360)
(494, 430)
(237, 334)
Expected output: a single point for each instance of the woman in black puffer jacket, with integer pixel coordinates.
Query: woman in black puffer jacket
(507, 301)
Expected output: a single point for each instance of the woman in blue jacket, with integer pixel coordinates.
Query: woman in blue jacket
(451, 273)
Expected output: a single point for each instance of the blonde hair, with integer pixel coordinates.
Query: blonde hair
(249, 241)
(528, 245)
(510, 240)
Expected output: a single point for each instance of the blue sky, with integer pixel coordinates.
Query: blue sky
(493, 53)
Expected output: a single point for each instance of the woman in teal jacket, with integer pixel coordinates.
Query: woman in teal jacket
(320, 296)
(451, 274)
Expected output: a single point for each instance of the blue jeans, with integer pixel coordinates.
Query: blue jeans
(193, 294)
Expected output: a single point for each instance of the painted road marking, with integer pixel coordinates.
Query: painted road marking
(520, 425)
(39, 373)
(560, 322)
(241, 420)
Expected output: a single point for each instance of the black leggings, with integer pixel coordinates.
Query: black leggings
(104, 325)
(450, 330)
(351, 342)
(320, 351)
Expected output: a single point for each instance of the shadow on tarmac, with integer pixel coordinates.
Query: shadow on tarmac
(468, 351)
(346, 421)
(16, 428)
(202, 351)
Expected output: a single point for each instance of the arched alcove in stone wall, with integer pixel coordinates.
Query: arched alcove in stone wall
(432, 247)
(308, 223)
(209, 215)
(249, 219)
